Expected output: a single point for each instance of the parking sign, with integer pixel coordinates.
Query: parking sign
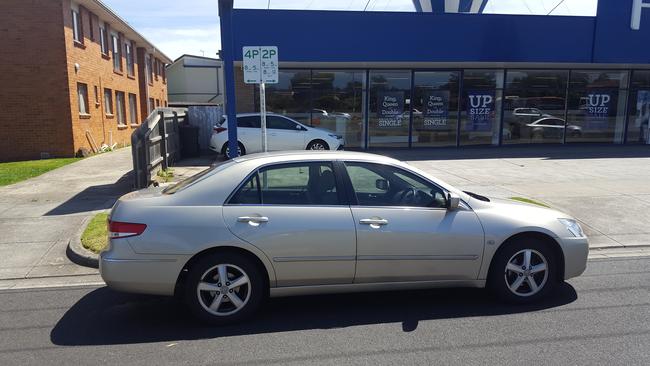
(260, 64)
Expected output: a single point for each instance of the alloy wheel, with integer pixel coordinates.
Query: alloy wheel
(317, 146)
(526, 272)
(224, 289)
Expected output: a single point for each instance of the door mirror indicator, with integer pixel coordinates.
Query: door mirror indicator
(382, 184)
(453, 200)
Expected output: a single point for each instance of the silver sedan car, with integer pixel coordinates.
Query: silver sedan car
(294, 223)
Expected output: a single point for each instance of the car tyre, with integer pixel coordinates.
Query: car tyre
(318, 145)
(524, 271)
(240, 150)
(212, 300)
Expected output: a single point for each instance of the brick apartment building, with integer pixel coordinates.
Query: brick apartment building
(73, 74)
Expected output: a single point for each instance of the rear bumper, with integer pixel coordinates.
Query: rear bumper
(140, 274)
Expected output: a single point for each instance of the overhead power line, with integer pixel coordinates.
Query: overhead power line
(555, 7)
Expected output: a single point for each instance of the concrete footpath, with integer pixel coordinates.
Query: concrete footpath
(39, 216)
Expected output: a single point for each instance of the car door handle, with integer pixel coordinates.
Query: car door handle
(373, 221)
(255, 219)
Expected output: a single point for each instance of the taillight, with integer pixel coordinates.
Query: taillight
(219, 129)
(117, 230)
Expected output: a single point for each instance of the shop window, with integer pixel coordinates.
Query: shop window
(290, 96)
(480, 108)
(435, 108)
(390, 105)
(338, 99)
(596, 106)
(534, 106)
(639, 112)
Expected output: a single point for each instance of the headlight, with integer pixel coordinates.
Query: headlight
(573, 227)
(338, 137)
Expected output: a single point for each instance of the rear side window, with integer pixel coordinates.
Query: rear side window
(249, 121)
(299, 184)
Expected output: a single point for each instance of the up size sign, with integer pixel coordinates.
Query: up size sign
(260, 64)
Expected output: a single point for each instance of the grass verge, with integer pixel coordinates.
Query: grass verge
(95, 237)
(528, 200)
(17, 171)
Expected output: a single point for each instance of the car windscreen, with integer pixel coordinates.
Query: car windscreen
(197, 177)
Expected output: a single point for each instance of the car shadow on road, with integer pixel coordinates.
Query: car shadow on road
(105, 317)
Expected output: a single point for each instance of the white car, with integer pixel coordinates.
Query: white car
(283, 133)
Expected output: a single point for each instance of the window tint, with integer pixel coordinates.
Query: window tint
(383, 185)
(249, 121)
(280, 123)
(290, 184)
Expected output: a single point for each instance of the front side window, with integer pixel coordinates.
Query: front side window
(384, 185)
(249, 121)
(82, 94)
(290, 184)
(280, 123)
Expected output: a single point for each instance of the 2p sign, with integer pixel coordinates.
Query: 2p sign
(260, 64)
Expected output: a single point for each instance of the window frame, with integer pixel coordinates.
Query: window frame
(133, 108)
(103, 40)
(130, 59)
(339, 182)
(85, 99)
(117, 52)
(77, 27)
(353, 196)
(108, 93)
(120, 108)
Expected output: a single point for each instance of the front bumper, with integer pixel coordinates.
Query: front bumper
(576, 251)
(124, 270)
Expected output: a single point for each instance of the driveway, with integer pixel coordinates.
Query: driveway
(40, 215)
(606, 187)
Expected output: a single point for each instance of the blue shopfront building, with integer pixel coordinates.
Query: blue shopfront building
(425, 79)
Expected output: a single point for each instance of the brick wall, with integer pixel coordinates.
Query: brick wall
(34, 103)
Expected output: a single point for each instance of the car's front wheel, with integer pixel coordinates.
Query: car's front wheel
(225, 150)
(224, 288)
(524, 271)
(318, 145)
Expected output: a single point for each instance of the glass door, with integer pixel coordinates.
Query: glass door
(390, 108)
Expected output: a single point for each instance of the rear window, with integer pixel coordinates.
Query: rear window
(197, 177)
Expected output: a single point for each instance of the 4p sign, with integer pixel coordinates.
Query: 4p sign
(260, 64)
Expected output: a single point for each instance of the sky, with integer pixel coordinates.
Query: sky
(192, 26)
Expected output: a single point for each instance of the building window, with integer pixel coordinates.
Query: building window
(133, 108)
(117, 57)
(291, 96)
(389, 115)
(128, 47)
(77, 32)
(534, 106)
(96, 95)
(103, 40)
(596, 106)
(639, 118)
(481, 107)
(120, 108)
(435, 108)
(338, 98)
(108, 101)
(151, 105)
(82, 96)
(147, 69)
(156, 69)
(157, 103)
(92, 26)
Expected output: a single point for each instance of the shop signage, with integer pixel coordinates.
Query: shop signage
(597, 109)
(390, 108)
(637, 10)
(480, 110)
(435, 110)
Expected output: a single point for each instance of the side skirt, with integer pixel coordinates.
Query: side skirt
(368, 287)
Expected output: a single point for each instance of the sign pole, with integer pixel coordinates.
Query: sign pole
(263, 116)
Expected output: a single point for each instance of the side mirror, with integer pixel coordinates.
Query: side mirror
(382, 184)
(299, 127)
(452, 201)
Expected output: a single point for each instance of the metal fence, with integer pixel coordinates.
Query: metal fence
(156, 143)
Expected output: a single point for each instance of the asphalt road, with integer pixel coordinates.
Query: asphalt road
(602, 317)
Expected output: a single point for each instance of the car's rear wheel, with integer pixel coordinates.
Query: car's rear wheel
(524, 271)
(225, 150)
(224, 288)
(318, 145)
